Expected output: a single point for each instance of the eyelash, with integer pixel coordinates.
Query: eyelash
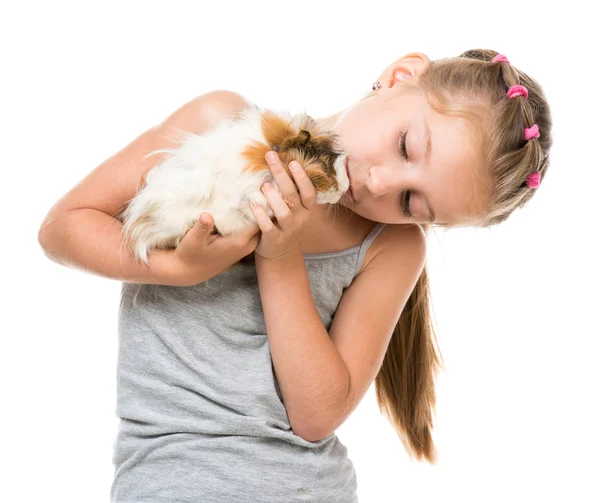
(406, 205)
(404, 154)
(403, 151)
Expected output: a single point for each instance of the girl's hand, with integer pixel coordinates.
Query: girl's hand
(292, 210)
(201, 255)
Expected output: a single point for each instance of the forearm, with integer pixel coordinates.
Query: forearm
(312, 376)
(91, 240)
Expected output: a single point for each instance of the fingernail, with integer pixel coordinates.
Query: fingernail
(271, 156)
(294, 165)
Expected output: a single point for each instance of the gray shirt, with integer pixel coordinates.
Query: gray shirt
(201, 417)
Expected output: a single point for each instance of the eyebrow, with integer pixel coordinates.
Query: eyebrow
(427, 153)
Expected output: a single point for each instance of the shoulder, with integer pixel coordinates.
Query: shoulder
(396, 245)
(403, 238)
(205, 110)
(222, 101)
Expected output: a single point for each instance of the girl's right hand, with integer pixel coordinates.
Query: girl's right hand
(201, 255)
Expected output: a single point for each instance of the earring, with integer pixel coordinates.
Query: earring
(376, 86)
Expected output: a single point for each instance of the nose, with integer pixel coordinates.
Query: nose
(383, 179)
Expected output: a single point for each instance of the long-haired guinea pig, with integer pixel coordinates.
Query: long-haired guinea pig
(221, 170)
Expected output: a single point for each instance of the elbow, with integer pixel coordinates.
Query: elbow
(51, 233)
(309, 434)
(45, 231)
(318, 428)
(315, 433)
(49, 242)
(314, 426)
(43, 238)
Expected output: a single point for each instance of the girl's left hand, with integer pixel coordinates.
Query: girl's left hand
(281, 239)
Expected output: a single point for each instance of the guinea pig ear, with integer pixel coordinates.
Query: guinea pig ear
(304, 137)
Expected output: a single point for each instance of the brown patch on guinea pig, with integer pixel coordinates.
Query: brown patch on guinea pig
(315, 150)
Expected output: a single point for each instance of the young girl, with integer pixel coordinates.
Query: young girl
(232, 382)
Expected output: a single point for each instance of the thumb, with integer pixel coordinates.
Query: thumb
(203, 226)
(198, 234)
(206, 222)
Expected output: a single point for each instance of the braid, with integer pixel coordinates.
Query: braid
(519, 111)
(520, 134)
(512, 131)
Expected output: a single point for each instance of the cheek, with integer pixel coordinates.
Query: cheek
(353, 126)
(364, 145)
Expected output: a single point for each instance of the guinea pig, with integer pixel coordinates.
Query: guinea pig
(222, 169)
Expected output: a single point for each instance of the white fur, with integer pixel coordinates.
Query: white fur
(204, 174)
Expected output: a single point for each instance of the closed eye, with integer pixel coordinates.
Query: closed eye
(405, 202)
(402, 145)
(406, 205)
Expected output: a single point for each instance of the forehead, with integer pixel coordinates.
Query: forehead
(454, 169)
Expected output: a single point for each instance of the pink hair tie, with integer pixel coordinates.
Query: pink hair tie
(533, 180)
(532, 132)
(517, 91)
(500, 57)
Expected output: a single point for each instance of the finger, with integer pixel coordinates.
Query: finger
(206, 220)
(197, 235)
(276, 202)
(203, 227)
(262, 219)
(307, 190)
(283, 179)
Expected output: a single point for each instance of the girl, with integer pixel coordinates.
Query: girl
(231, 385)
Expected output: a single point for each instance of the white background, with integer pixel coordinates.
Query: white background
(516, 306)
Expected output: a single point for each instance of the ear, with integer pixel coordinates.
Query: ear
(407, 67)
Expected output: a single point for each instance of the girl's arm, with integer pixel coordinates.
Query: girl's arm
(323, 377)
(82, 230)
(90, 240)
(312, 376)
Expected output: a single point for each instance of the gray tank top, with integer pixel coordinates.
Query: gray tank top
(201, 416)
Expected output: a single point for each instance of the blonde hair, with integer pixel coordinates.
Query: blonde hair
(473, 88)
